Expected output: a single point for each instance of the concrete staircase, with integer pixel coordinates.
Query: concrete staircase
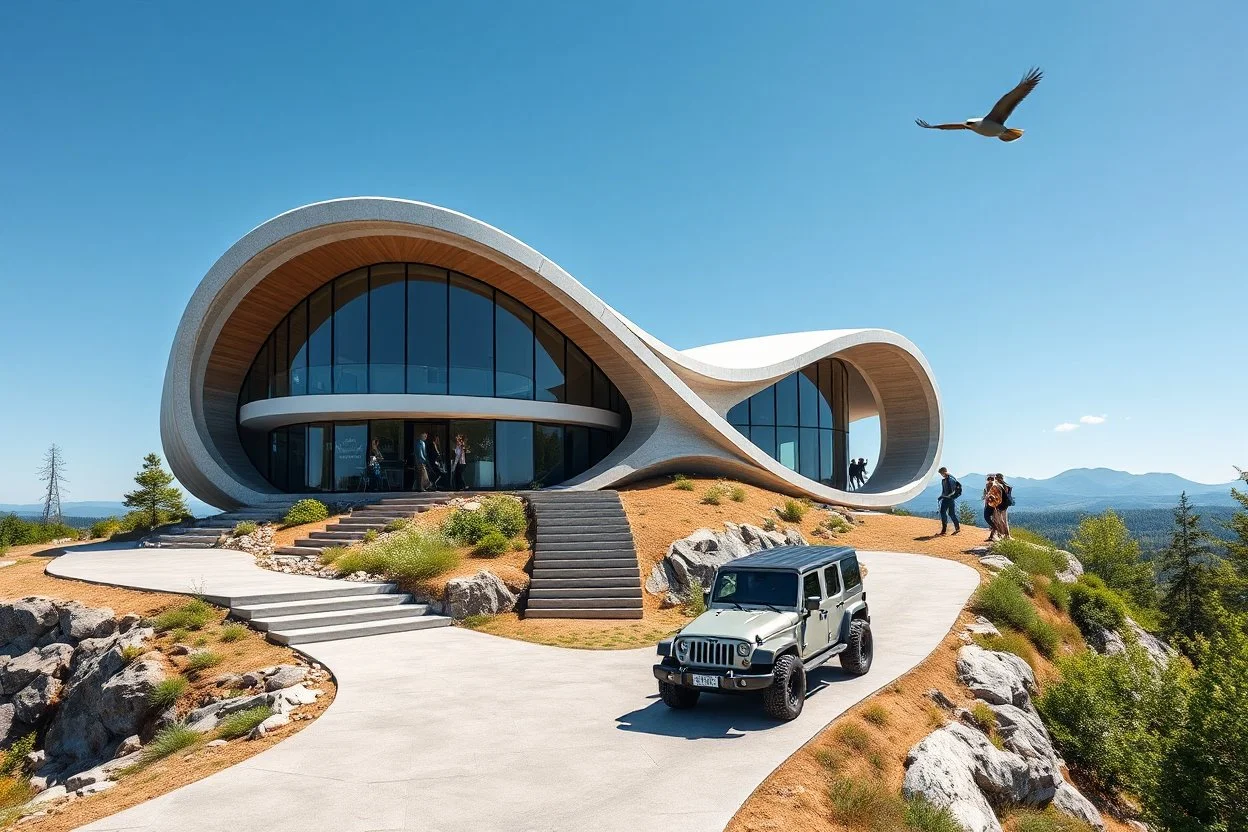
(584, 561)
(205, 533)
(333, 613)
(351, 528)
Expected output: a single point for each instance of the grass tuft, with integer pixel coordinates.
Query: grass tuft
(168, 740)
(853, 735)
(793, 510)
(492, 545)
(876, 714)
(244, 527)
(924, 816)
(241, 723)
(1048, 820)
(233, 632)
(167, 692)
(1010, 641)
(193, 615)
(202, 660)
(714, 495)
(737, 494)
(413, 554)
(131, 652)
(304, 512)
(681, 482)
(398, 524)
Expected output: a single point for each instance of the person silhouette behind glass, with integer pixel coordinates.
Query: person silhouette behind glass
(459, 461)
(435, 463)
(422, 463)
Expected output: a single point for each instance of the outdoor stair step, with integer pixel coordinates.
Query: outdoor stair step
(382, 512)
(352, 535)
(597, 612)
(319, 544)
(584, 526)
(300, 550)
(365, 521)
(310, 635)
(585, 592)
(551, 576)
(174, 543)
(347, 602)
(579, 603)
(587, 545)
(582, 535)
(187, 538)
(331, 618)
(339, 590)
(595, 565)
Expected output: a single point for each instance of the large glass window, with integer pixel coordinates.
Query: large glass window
(580, 377)
(281, 360)
(351, 332)
(350, 444)
(513, 340)
(472, 337)
(801, 421)
(299, 349)
(320, 457)
(577, 454)
(320, 340)
(548, 454)
(479, 457)
(513, 467)
(549, 358)
(386, 328)
(386, 447)
(426, 330)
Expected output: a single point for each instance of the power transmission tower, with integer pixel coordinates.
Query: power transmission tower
(53, 473)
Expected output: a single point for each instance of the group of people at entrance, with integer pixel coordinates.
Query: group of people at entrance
(430, 472)
(998, 498)
(857, 473)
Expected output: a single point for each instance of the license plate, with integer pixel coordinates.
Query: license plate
(705, 681)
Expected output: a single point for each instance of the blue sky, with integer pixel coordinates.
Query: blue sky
(714, 170)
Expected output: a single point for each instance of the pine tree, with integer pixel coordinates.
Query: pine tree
(966, 514)
(156, 497)
(1237, 549)
(53, 473)
(1191, 577)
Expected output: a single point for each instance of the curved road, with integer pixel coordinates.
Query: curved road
(447, 729)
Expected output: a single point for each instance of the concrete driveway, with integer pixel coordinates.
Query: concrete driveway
(446, 730)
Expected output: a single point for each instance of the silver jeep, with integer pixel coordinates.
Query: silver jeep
(771, 617)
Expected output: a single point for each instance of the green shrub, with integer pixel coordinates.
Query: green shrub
(304, 512)
(984, 717)
(876, 714)
(1049, 820)
(168, 740)
(1095, 606)
(192, 615)
(244, 527)
(328, 556)
(167, 692)
(467, 527)
(737, 494)
(1029, 558)
(1021, 578)
(370, 535)
(695, 604)
(793, 510)
(14, 759)
(1059, 594)
(492, 545)
(472, 622)
(1045, 636)
(1003, 602)
(1009, 641)
(397, 524)
(769, 525)
(865, 803)
(414, 554)
(1026, 535)
(202, 660)
(924, 816)
(505, 514)
(714, 495)
(241, 723)
(681, 482)
(107, 527)
(898, 511)
(519, 544)
(233, 632)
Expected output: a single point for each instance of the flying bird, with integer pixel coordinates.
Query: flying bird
(993, 124)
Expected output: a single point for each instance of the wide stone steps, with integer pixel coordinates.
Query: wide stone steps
(305, 551)
(584, 559)
(335, 612)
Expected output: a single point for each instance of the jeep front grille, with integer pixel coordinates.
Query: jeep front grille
(711, 652)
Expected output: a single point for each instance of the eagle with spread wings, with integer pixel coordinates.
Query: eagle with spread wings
(993, 124)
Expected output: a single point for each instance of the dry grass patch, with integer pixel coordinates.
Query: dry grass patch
(583, 634)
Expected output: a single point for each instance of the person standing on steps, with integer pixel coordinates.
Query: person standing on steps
(436, 469)
(1007, 500)
(992, 499)
(950, 491)
(422, 462)
(459, 460)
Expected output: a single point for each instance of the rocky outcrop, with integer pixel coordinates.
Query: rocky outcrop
(696, 557)
(959, 767)
(1111, 642)
(481, 594)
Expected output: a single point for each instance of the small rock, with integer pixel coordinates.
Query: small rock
(254, 679)
(128, 622)
(482, 594)
(50, 794)
(95, 788)
(129, 745)
(78, 621)
(995, 677)
(230, 681)
(284, 676)
(85, 778)
(181, 650)
(996, 563)
(36, 759)
(271, 724)
(216, 743)
(300, 695)
(982, 627)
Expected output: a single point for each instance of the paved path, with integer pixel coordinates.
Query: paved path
(447, 730)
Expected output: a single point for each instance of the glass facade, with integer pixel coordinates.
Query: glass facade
(802, 421)
(410, 328)
(338, 456)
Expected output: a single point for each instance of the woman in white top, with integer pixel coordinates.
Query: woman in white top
(459, 458)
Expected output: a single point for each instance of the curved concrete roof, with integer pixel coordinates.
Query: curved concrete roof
(678, 399)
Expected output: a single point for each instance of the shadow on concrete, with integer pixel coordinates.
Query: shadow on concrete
(722, 716)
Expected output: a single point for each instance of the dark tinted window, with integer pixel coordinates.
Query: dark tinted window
(832, 580)
(472, 337)
(808, 396)
(351, 332)
(281, 360)
(765, 439)
(426, 330)
(387, 328)
(548, 454)
(810, 586)
(577, 455)
(549, 369)
(513, 323)
(479, 459)
(320, 340)
(808, 453)
(739, 414)
(786, 400)
(849, 568)
(763, 407)
(299, 349)
(296, 450)
(350, 443)
(580, 377)
(320, 453)
(602, 390)
(750, 587)
(514, 455)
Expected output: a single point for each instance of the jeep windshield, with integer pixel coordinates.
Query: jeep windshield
(763, 588)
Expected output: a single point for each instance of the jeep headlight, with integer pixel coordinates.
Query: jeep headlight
(682, 648)
(743, 649)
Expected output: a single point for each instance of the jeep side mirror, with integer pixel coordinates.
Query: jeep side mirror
(812, 603)
(706, 597)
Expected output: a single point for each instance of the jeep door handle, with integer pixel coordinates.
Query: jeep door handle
(841, 604)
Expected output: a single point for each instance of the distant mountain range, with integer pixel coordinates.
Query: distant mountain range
(1088, 490)
(93, 508)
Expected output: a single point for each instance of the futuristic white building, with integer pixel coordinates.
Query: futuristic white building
(344, 330)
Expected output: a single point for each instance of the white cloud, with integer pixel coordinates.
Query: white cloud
(1066, 427)
(1093, 420)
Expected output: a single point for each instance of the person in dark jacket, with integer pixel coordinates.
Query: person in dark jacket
(949, 490)
(854, 472)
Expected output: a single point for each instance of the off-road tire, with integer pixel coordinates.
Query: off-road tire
(859, 648)
(786, 695)
(678, 697)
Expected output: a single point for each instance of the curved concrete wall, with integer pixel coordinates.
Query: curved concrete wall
(678, 400)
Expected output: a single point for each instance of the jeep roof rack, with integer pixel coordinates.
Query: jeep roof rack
(792, 557)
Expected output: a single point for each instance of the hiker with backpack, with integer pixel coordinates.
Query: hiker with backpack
(950, 491)
(992, 499)
(1007, 502)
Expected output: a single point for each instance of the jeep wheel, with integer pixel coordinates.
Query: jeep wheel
(858, 650)
(678, 697)
(787, 694)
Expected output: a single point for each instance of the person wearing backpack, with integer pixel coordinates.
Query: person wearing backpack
(1007, 502)
(950, 491)
(992, 501)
